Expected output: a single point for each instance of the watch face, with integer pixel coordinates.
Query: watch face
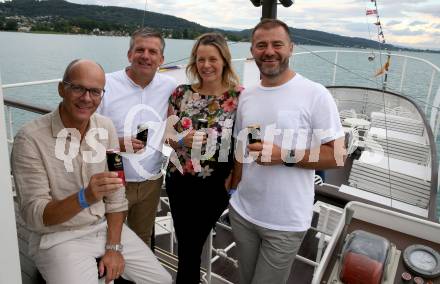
(422, 260)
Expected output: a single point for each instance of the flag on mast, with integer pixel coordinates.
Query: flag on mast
(384, 68)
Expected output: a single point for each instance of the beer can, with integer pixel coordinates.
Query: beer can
(254, 134)
(201, 123)
(114, 163)
(142, 133)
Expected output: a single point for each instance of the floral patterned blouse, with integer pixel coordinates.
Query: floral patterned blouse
(219, 111)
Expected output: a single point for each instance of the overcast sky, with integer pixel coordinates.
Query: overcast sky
(413, 23)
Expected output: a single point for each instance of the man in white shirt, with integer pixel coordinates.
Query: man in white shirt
(300, 132)
(135, 96)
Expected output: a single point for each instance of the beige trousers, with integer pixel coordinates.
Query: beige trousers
(74, 261)
(143, 199)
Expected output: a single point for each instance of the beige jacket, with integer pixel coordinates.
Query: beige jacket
(43, 173)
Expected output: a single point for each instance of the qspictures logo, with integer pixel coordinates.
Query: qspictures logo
(297, 140)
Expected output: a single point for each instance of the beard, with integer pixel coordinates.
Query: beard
(275, 70)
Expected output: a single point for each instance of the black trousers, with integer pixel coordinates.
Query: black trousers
(196, 204)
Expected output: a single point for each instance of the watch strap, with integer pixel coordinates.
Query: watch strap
(114, 247)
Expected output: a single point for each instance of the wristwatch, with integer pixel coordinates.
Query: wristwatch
(114, 247)
(290, 156)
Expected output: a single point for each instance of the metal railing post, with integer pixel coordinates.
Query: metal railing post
(10, 137)
(335, 68)
(428, 97)
(402, 75)
(10, 271)
(208, 258)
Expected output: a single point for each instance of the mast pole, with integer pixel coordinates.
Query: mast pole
(269, 9)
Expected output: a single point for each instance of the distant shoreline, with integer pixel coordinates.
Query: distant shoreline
(125, 36)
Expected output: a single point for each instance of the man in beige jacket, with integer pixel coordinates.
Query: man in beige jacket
(73, 206)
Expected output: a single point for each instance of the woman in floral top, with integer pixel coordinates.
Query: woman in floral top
(196, 181)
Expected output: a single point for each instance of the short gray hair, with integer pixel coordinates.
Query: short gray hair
(146, 33)
(270, 24)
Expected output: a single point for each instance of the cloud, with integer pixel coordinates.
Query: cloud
(418, 23)
(357, 27)
(393, 23)
(433, 10)
(212, 13)
(407, 32)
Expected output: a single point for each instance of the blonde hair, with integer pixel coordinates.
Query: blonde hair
(229, 77)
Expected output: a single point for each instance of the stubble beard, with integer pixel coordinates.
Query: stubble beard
(273, 71)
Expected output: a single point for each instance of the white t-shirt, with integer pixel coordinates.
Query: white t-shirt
(279, 197)
(125, 102)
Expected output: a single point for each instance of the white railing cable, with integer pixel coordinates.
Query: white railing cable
(16, 85)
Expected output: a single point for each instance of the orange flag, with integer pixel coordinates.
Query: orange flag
(384, 68)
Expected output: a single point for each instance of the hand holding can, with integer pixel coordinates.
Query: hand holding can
(114, 163)
(101, 185)
(142, 133)
(254, 134)
(201, 126)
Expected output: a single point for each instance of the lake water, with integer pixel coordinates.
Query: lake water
(33, 57)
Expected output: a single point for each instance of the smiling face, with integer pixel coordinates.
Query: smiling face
(76, 107)
(271, 49)
(209, 63)
(145, 57)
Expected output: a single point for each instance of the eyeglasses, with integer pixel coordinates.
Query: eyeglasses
(80, 90)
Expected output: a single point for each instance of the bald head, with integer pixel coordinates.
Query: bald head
(81, 64)
(81, 90)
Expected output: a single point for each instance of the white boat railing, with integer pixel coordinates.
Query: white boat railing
(435, 74)
(33, 83)
(9, 258)
(435, 69)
